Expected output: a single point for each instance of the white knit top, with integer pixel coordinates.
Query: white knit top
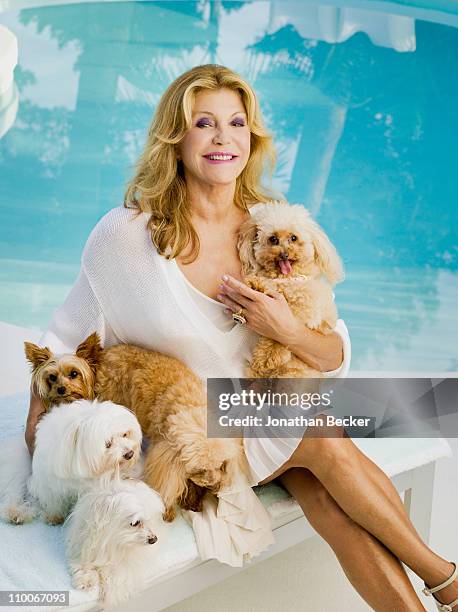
(129, 293)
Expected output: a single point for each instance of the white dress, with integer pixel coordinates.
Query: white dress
(129, 293)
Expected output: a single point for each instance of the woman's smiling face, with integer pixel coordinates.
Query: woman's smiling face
(219, 128)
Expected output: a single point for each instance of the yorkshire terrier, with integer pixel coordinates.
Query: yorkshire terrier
(283, 250)
(61, 379)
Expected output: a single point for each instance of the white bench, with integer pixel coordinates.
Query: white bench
(290, 526)
(409, 462)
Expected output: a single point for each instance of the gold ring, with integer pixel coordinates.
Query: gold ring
(238, 316)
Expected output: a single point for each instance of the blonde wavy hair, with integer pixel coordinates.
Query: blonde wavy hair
(159, 186)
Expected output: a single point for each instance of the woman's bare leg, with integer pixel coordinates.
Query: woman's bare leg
(366, 495)
(372, 569)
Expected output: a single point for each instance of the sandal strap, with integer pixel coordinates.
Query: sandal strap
(447, 607)
(446, 583)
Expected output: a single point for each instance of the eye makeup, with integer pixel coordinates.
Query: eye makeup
(205, 121)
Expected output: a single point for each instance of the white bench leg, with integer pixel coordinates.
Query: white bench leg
(418, 500)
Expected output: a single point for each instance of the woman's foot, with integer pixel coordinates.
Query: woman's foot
(449, 593)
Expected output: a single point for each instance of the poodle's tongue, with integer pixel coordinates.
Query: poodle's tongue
(285, 266)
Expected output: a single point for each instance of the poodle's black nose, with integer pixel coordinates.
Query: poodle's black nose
(152, 539)
(129, 455)
(283, 255)
(61, 390)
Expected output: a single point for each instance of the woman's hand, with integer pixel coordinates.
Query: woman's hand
(36, 411)
(270, 315)
(267, 314)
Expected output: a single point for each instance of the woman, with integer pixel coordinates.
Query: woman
(196, 179)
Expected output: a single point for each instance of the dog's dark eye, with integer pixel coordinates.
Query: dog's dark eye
(125, 435)
(223, 466)
(135, 524)
(273, 240)
(108, 444)
(293, 238)
(52, 377)
(73, 374)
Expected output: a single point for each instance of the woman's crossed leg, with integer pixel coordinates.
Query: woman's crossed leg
(353, 504)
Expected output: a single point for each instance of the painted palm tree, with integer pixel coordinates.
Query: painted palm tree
(284, 66)
(341, 119)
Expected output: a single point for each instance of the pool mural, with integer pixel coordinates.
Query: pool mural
(365, 133)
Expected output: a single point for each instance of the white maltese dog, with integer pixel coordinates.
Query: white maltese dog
(75, 444)
(111, 538)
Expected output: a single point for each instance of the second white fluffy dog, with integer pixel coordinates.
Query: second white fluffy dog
(75, 444)
(114, 534)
